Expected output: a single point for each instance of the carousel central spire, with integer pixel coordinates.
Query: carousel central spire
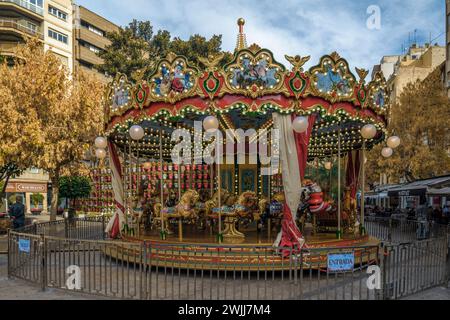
(241, 40)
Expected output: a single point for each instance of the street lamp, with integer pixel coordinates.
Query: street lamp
(136, 133)
(210, 123)
(300, 124)
(101, 143)
(387, 152)
(368, 132)
(100, 154)
(394, 142)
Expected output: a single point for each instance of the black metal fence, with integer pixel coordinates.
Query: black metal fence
(70, 256)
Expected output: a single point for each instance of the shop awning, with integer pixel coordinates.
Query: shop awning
(439, 192)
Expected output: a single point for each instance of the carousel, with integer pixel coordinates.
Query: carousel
(217, 155)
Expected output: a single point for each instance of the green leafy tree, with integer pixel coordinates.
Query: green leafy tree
(136, 47)
(74, 187)
(36, 199)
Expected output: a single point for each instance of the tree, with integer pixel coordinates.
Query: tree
(63, 115)
(74, 187)
(135, 47)
(421, 120)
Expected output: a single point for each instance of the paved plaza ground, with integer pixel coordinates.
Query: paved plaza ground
(20, 290)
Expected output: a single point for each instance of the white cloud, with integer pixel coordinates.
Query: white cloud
(306, 27)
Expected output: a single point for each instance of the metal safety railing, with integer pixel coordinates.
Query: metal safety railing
(27, 5)
(74, 257)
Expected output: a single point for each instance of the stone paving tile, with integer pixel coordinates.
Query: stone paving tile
(440, 293)
(20, 290)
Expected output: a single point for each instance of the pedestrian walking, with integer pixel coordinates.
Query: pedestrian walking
(17, 212)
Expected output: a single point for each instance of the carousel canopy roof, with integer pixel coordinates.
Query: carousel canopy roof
(244, 93)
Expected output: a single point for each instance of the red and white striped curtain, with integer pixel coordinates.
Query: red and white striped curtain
(115, 225)
(293, 157)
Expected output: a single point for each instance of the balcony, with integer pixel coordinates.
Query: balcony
(18, 27)
(84, 54)
(26, 5)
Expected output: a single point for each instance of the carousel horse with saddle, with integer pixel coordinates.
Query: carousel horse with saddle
(314, 207)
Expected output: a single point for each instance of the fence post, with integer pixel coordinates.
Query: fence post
(103, 228)
(383, 269)
(390, 230)
(35, 229)
(66, 228)
(43, 245)
(9, 254)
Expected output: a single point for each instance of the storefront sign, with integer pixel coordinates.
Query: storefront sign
(408, 193)
(24, 245)
(341, 262)
(26, 187)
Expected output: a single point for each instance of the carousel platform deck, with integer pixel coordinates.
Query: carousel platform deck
(201, 251)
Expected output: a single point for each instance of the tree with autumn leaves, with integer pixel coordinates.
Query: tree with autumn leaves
(421, 119)
(49, 117)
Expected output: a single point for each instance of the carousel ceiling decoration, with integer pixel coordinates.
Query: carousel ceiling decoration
(245, 93)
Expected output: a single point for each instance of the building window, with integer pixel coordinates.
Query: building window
(93, 29)
(90, 47)
(34, 170)
(58, 36)
(57, 13)
(37, 3)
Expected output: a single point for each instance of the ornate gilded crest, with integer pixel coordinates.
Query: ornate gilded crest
(378, 92)
(360, 88)
(173, 80)
(211, 81)
(297, 81)
(254, 74)
(332, 80)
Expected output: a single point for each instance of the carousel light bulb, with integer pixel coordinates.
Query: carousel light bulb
(101, 143)
(369, 131)
(136, 133)
(387, 152)
(100, 153)
(300, 124)
(210, 123)
(147, 165)
(393, 142)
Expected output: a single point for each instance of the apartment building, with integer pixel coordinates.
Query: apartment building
(90, 32)
(48, 20)
(75, 35)
(416, 64)
(58, 30)
(20, 19)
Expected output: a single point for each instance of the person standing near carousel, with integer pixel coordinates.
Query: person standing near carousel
(17, 212)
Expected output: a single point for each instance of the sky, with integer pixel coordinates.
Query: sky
(303, 27)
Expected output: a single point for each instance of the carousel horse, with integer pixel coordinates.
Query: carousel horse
(186, 207)
(214, 202)
(246, 207)
(270, 210)
(313, 204)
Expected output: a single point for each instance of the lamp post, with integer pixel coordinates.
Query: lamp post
(211, 123)
(368, 132)
(100, 153)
